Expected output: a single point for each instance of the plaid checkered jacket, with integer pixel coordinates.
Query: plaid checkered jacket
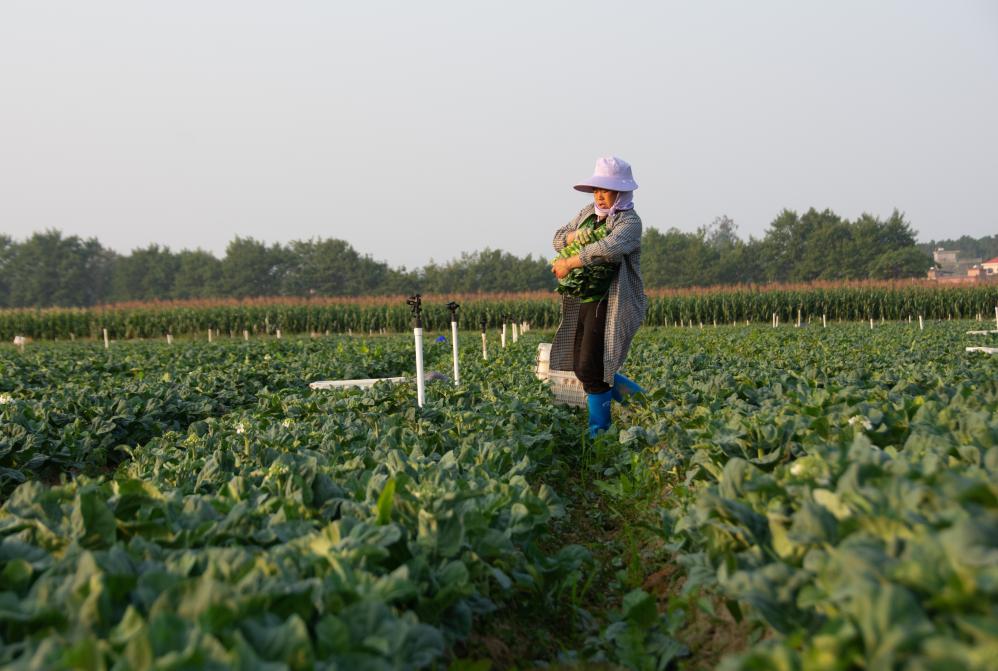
(627, 302)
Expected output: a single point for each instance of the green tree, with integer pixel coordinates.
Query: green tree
(199, 275)
(251, 268)
(146, 274)
(48, 269)
(331, 267)
(900, 263)
(7, 250)
(678, 259)
(487, 270)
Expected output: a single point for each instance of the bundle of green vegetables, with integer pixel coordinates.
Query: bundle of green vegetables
(588, 279)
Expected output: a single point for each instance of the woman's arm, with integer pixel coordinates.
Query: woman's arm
(563, 267)
(561, 236)
(624, 239)
(566, 234)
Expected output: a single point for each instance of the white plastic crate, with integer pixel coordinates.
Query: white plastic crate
(566, 388)
(360, 384)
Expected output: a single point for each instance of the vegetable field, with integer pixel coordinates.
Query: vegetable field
(788, 498)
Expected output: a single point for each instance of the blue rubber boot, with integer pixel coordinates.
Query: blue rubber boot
(599, 412)
(624, 387)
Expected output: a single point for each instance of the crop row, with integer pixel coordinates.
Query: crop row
(295, 529)
(847, 302)
(838, 486)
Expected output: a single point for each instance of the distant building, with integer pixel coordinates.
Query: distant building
(952, 266)
(990, 266)
(946, 258)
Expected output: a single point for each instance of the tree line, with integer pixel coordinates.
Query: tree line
(49, 269)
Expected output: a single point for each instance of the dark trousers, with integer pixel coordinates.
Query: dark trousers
(587, 354)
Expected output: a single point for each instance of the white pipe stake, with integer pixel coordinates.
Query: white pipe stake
(996, 317)
(516, 334)
(921, 324)
(420, 382)
(107, 343)
(457, 374)
(169, 339)
(824, 321)
(502, 339)
(485, 352)
(871, 323)
(278, 333)
(209, 335)
(245, 334)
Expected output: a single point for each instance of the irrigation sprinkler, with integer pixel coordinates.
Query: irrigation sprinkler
(452, 306)
(485, 352)
(416, 304)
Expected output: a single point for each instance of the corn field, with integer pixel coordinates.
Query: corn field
(855, 301)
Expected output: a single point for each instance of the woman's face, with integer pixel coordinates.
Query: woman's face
(604, 198)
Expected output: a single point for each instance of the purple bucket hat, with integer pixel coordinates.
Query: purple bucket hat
(610, 173)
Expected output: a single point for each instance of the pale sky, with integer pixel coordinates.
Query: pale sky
(419, 130)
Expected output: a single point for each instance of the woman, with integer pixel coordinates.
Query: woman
(603, 311)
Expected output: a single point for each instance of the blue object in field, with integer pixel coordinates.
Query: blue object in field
(441, 339)
(599, 412)
(624, 387)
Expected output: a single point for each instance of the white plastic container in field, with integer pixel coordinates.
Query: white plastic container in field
(566, 388)
(360, 384)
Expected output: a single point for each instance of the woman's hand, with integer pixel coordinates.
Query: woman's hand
(563, 267)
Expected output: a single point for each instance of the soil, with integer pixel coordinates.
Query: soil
(626, 554)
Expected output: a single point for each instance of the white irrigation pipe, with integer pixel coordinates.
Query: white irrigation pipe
(452, 306)
(485, 351)
(417, 332)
